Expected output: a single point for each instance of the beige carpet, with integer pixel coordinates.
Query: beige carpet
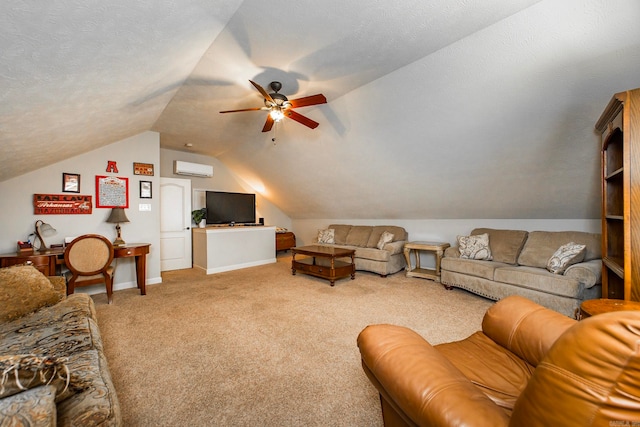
(261, 347)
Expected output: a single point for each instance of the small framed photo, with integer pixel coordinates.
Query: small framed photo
(145, 189)
(71, 182)
(143, 169)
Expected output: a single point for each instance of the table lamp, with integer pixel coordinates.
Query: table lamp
(117, 216)
(43, 230)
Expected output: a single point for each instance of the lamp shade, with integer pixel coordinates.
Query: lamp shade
(117, 216)
(43, 230)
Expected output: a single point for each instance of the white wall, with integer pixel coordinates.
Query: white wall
(445, 230)
(222, 180)
(17, 219)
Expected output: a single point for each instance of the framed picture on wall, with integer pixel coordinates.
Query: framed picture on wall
(112, 192)
(71, 182)
(145, 189)
(143, 169)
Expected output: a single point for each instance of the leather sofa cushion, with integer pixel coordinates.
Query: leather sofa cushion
(541, 245)
(359, 235)
(505, 244)
(540, 280)
(341, 232)
(472, 267)
(477, 358)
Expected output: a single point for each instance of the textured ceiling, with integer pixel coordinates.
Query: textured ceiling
(437, 109)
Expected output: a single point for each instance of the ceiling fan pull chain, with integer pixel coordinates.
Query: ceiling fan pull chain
(275, 133)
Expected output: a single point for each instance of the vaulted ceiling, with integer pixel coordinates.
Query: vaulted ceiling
(436, 109)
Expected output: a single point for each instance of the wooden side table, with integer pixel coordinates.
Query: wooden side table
(591, 307)
(424, 273)
(285, 241)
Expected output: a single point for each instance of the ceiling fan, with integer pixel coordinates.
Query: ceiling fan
(279, 106)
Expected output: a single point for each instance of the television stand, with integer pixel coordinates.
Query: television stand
(224, 248)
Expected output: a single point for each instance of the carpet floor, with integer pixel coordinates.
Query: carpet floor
(262, 347)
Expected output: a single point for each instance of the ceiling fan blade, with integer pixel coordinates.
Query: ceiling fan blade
(308, 100)
(268, 124)
(244, 109)
(301, 119)
(263, 92)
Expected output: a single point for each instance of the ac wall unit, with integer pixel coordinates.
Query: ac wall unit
(192, 169)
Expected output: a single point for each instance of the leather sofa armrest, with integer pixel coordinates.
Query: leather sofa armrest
(588, 273)
(395, 247)
(420, 383)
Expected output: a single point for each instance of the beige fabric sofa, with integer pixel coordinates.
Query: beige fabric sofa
(519, 268)
(364, 239)
(59, 335)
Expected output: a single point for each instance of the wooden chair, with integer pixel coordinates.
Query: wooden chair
(88, 259)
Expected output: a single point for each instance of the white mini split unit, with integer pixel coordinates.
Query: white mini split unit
(192, 169)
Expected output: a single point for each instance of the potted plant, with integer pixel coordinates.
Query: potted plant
(199, 216)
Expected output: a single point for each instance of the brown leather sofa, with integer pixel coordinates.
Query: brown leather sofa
(529, 366)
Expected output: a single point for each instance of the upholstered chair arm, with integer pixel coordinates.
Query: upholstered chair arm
(452, 252)
(420, 383)
(588, 273)
(395, 247)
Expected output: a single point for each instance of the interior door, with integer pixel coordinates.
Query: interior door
(175, 224)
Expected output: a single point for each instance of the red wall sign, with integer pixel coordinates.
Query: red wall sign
(61, 204)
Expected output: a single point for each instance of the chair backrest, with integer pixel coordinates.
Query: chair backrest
(524, 327)
(589, 377)
(88, 254)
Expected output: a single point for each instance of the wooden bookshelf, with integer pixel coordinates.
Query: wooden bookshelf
(619, 127)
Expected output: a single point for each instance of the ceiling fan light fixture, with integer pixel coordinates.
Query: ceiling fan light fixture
(279, 106)
(276, 114)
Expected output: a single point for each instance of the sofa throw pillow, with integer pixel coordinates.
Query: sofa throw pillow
(385, 238)
(566, 255)
(26, 371)
(34, 407)
(23, 290)
(475, 247)
(326, 236)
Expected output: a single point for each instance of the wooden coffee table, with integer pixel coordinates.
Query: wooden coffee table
(321, 261)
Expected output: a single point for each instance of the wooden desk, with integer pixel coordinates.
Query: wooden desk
(591, 307)
(48, 260)
(139, 251)
(45, 261)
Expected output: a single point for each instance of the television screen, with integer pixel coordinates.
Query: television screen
(225, 208)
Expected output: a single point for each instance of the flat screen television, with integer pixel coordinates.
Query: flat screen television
(226, 208)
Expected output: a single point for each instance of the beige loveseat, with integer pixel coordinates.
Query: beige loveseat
(519, 266)
(53, 368)
(364, 239)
